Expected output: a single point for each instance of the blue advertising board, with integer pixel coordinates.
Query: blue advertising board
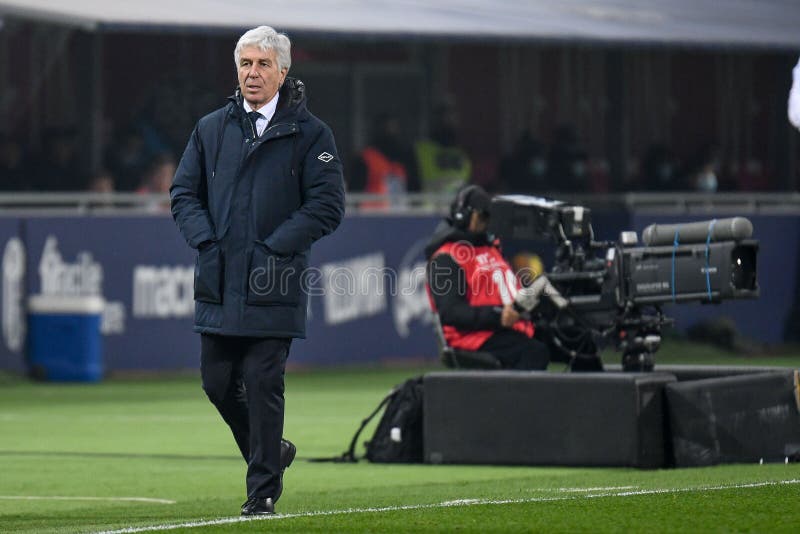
(367, 299)
(367, 292)
(370, 302)
(139, 265)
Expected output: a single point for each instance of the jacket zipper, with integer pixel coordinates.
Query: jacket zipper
(291, 129)
(252, 127)
(220, 138)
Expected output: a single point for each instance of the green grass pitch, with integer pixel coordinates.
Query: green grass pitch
(130, 454)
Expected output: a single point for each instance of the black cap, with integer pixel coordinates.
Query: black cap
(478, 199)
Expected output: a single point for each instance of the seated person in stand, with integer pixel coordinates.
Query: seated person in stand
(473, 289)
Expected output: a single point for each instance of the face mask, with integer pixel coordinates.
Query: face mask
(707, 182)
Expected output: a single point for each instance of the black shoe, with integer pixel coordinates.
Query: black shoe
(258, 506)
(288, 450)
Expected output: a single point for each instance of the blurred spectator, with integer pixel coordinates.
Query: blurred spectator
(567, 162)
(171, 111)
(386, 166)
(102, 182)
(443, 166)
(158, 177)
(13, 172)
(128, 159)
(630, 179)
(157, 180)
(57, 167)
(525, 168)
(660, 170)
(599, 175)
(751, 176)
(702, 171)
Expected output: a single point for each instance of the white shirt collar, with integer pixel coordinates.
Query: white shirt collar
(267, 111)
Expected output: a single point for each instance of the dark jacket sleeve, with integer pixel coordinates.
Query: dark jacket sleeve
(323, 199)
(188, 198)
(449, 291)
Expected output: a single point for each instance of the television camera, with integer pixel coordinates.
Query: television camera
(601, 291)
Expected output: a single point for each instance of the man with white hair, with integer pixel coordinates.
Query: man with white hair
(259, 182)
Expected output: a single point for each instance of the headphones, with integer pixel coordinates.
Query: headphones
(460, 211)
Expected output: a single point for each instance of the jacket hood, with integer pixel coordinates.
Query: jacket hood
(447, 233)
(292, 98)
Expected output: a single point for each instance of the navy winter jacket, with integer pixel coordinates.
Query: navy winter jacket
(253, 206)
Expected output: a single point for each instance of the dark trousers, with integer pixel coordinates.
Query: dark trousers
(243, 378)
(515, 350)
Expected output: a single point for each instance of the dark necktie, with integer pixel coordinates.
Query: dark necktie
(254, 116)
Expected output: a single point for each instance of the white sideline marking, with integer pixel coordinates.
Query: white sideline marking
(445, 504)
(460, 502)
(65, 498)
(584, 490)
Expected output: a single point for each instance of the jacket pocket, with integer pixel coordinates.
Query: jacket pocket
(273, 280)
(208, 275)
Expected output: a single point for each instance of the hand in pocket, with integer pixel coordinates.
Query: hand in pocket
(273, 280)
(208, 274)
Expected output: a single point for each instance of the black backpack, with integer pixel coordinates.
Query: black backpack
(398, 436)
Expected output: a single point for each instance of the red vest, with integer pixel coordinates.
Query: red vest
(489, 282)
(383, 176)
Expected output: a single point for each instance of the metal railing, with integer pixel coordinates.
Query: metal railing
(83, 203)
(363, 204)
(699, 203)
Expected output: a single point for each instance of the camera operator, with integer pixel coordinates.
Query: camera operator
(472, 288)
